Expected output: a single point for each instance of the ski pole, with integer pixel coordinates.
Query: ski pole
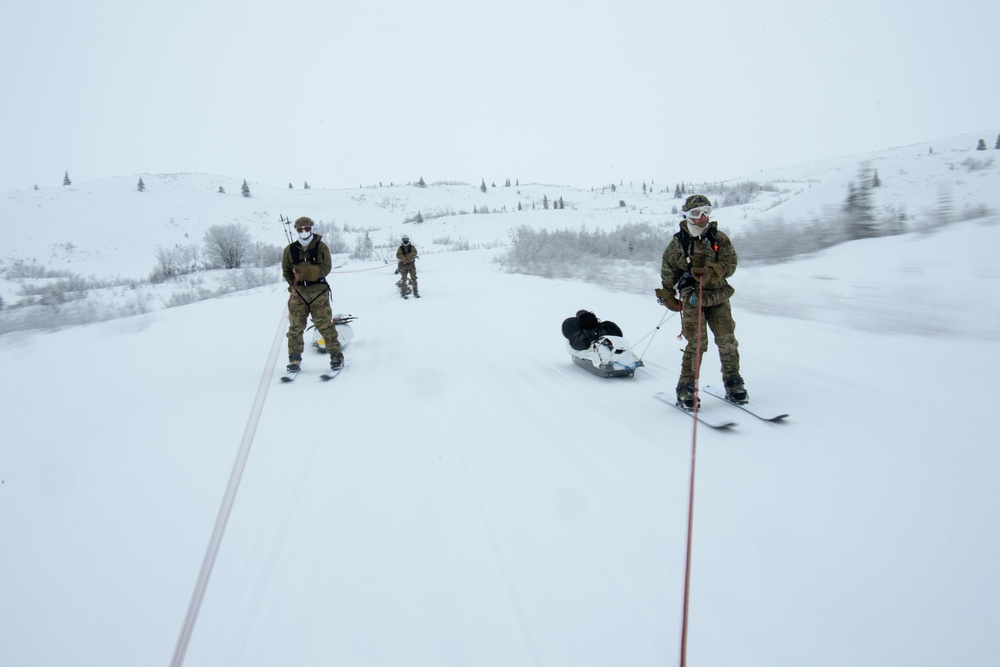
(652, 334)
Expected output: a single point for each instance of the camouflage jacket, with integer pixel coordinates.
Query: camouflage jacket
(406, 254)
(685, 252)
(310, 271)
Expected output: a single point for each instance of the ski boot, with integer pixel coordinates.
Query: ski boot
(293, 363)
(685, 396)
(735, 391)
(336, 361)
(416, 294)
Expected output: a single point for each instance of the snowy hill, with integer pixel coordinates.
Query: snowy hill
(463, 494)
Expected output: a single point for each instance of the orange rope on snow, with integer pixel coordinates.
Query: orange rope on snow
(371, 268)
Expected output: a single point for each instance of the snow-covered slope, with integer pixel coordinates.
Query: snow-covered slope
(464, 495)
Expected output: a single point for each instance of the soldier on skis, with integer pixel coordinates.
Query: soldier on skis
(406, 256)
(699, 258)
(305, 265)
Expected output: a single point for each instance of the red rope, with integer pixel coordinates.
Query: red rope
(690, 524)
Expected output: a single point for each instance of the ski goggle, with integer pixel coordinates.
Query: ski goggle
(303, 229)
(698, 211)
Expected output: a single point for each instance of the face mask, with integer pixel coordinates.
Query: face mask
(305, 236)
(695, 230)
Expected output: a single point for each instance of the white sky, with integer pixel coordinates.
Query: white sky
(583, 92)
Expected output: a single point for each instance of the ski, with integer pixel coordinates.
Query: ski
(330, 374)
(756, 410)
(707, 420)
(289, 377)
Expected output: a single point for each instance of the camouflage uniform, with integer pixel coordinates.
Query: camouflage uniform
(406, 255)
(714, 252)
(310, 296)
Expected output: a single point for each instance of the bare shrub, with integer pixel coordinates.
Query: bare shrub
(227, 246)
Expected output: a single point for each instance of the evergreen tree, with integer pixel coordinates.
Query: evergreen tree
(981, 146)
(36, 186)
(562, 204)
(859, 207)
(519, 206)
(363, 247)
(141, 186)
(677, 191)
(420, 183)
(998, 142)
(876, 181)
(545, 202)
(305, 185)
(66, 180)
(482, 187)
(290, 186)
(245, 189)
(613, 188)
(222, 190)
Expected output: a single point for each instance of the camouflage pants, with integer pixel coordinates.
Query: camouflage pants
(719, 319)
(313, 300)
(404, 271)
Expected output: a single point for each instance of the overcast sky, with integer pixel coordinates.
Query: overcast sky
(579, 92)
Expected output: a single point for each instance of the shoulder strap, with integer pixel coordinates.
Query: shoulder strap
(685, 240)
(713, 236)
(312, 254)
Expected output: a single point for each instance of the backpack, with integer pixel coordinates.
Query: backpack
(685, 239)
(312, 253)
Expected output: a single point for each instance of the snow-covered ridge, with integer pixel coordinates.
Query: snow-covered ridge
(104, 237)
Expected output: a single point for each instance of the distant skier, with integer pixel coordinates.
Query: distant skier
(305, 265)
(700, 253)
(406, 256)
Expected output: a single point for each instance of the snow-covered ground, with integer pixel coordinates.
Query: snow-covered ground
(464, 495)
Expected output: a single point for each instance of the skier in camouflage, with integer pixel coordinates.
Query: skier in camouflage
(305, 265)
(406, 256)
(700, 254)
